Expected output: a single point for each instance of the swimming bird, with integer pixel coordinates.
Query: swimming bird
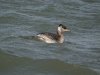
(53, 38)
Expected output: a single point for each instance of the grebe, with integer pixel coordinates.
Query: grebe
(53, 38)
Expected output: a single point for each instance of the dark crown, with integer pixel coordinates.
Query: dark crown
(62, 26)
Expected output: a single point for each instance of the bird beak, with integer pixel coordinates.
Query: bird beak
(67, 30)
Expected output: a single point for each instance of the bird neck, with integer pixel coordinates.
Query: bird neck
(60, 36)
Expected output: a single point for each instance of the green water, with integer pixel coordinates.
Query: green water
(12, 65)
(20, 54)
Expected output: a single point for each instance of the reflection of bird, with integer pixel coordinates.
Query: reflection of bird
(53, 38)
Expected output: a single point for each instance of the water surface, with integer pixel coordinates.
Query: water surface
(20, 54)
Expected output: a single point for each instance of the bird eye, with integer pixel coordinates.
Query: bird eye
(64, 27)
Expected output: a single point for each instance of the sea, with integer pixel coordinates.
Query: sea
(21, 54)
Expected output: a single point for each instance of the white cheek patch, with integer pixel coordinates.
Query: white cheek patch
(59, 29)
